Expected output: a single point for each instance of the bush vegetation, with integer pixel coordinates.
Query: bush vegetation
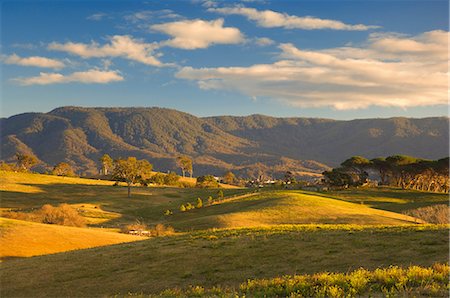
(207, 181)
(142, 229)
(64, 215)
(393, 281)
(437, 214)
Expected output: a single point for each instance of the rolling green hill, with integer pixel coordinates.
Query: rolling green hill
(221, 258)
(249, 146)
(247, 235)
(108, 206)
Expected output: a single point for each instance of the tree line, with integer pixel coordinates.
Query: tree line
(129, 170)
(402, 171)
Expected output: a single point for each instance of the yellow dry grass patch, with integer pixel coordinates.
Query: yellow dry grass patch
(94, 214)
(29, 182)
(25, 239)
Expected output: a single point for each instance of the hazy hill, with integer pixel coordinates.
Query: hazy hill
(249, 145)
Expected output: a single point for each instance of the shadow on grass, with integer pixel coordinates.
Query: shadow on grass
(146, 203)
(384, 198)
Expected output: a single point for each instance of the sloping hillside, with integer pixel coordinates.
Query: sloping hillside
(25, 239)
(283, 207)
(221, 258)
(249, 146)
(331, 142)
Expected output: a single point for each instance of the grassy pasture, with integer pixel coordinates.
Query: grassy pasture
(102, 204)
(249, 235)
(25, 239)
(389, 198)
(107, 206)
(225, 257)
(413, 281)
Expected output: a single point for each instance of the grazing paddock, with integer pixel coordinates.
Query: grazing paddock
(223, 258)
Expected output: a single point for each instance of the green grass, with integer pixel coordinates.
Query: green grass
(249, 235)
(224, 258)
(27, 191)
(394, 281)
(389, 198)
(108, 206)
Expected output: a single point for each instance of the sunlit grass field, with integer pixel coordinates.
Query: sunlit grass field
(249, 234)
(394, 281)
(107, 206)
(25, 239)
(224, 258)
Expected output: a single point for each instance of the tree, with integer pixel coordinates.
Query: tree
(207, 181)
(382, 167)
(131, 170)
(63, 169)
(107, 163)
(229, 177)
(171, 179)
(356, 167)
(220, 194)
(336, 177)
(289, 177)
(199, 203)
(185, 164)
(25, 162)
(158, 178)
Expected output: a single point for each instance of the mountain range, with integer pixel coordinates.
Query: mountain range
(247, 145)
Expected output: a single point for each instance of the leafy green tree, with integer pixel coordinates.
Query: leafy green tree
(171, 179)
(207, 181)
(229, 177)
(220, 194)
(158, 178)
(382, 167)
(182, 208)
(336, 177)
(131, 170)
(107, 163)
(185, 164)
(25, 162)
(63, 169)
(199, 203)
(210, 200)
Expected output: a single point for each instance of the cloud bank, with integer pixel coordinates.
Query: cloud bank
(33, 61)
(198, 34)
(123, 46)
(273, 19)
(86, 77)
(390, 70)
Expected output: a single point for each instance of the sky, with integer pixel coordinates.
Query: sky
(328, 59)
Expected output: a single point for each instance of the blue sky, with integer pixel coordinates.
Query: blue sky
(331, 59)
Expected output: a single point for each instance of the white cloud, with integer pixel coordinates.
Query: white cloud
(411, 71)
(147, 15)
(198, 34)
(263, 41)
(272, 19)
(33, 61)
(87, 77)
(97, 16)
(119, 46)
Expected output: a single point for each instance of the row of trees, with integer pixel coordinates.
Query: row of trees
(402, 171)
(24, 163)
